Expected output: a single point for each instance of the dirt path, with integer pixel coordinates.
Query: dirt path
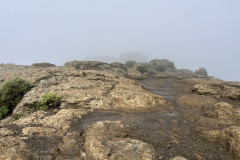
(168, 131)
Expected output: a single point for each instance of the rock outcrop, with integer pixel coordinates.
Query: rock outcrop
(162, 65)
(217, 89)
(229, 137)
(89, 89)
(233, 94)
(85, 65)
(104, 115)
(225, 111)
(44, 64)
(108, 140)
(43, 136)
(202, 72)
(114, 67)
(203, 90)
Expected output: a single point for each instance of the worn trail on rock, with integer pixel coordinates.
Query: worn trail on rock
(170, 134)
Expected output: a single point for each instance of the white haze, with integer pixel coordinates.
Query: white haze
(192, 34)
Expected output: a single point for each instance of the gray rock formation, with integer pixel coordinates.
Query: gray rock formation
(202, 72)
(85, 65)
(114, 67)
(162, 65)
(44, 64)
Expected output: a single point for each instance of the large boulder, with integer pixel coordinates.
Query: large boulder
(203, 89)
(224, 111)
(233, 94)
(162, 65)
(185, 73)
(202, 72)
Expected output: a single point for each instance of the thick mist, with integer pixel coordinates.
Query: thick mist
(192, 34)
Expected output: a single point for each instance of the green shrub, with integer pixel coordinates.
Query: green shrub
(130, 64)
(142, 69)
(16, 116)
(48, 101)
(12, 91)
(3, 111)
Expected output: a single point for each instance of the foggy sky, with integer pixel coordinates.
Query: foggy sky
(191, 33)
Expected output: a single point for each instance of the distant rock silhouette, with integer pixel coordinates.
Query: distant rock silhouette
(43, 64)
(202, 71)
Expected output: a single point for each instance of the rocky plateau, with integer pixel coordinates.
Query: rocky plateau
(147, 111)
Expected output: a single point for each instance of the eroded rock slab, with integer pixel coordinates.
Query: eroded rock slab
(108, 140)
(89, 89)
(43, 136)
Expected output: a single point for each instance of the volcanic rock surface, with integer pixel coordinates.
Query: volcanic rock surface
(174, 114)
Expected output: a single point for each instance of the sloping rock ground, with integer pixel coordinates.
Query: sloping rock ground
(194, 125)
(45, 135)
(81, 89)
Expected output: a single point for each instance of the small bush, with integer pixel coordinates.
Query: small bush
(48, 101)
(142, 69)
(130, 64)
(3, 111)
(16, 116)
(12, 91)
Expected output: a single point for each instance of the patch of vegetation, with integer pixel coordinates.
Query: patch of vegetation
(12, 91)
(209, 87)
(49, 100)
(142, 68)
(3, 111)
(130, 64)
(16, 116)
